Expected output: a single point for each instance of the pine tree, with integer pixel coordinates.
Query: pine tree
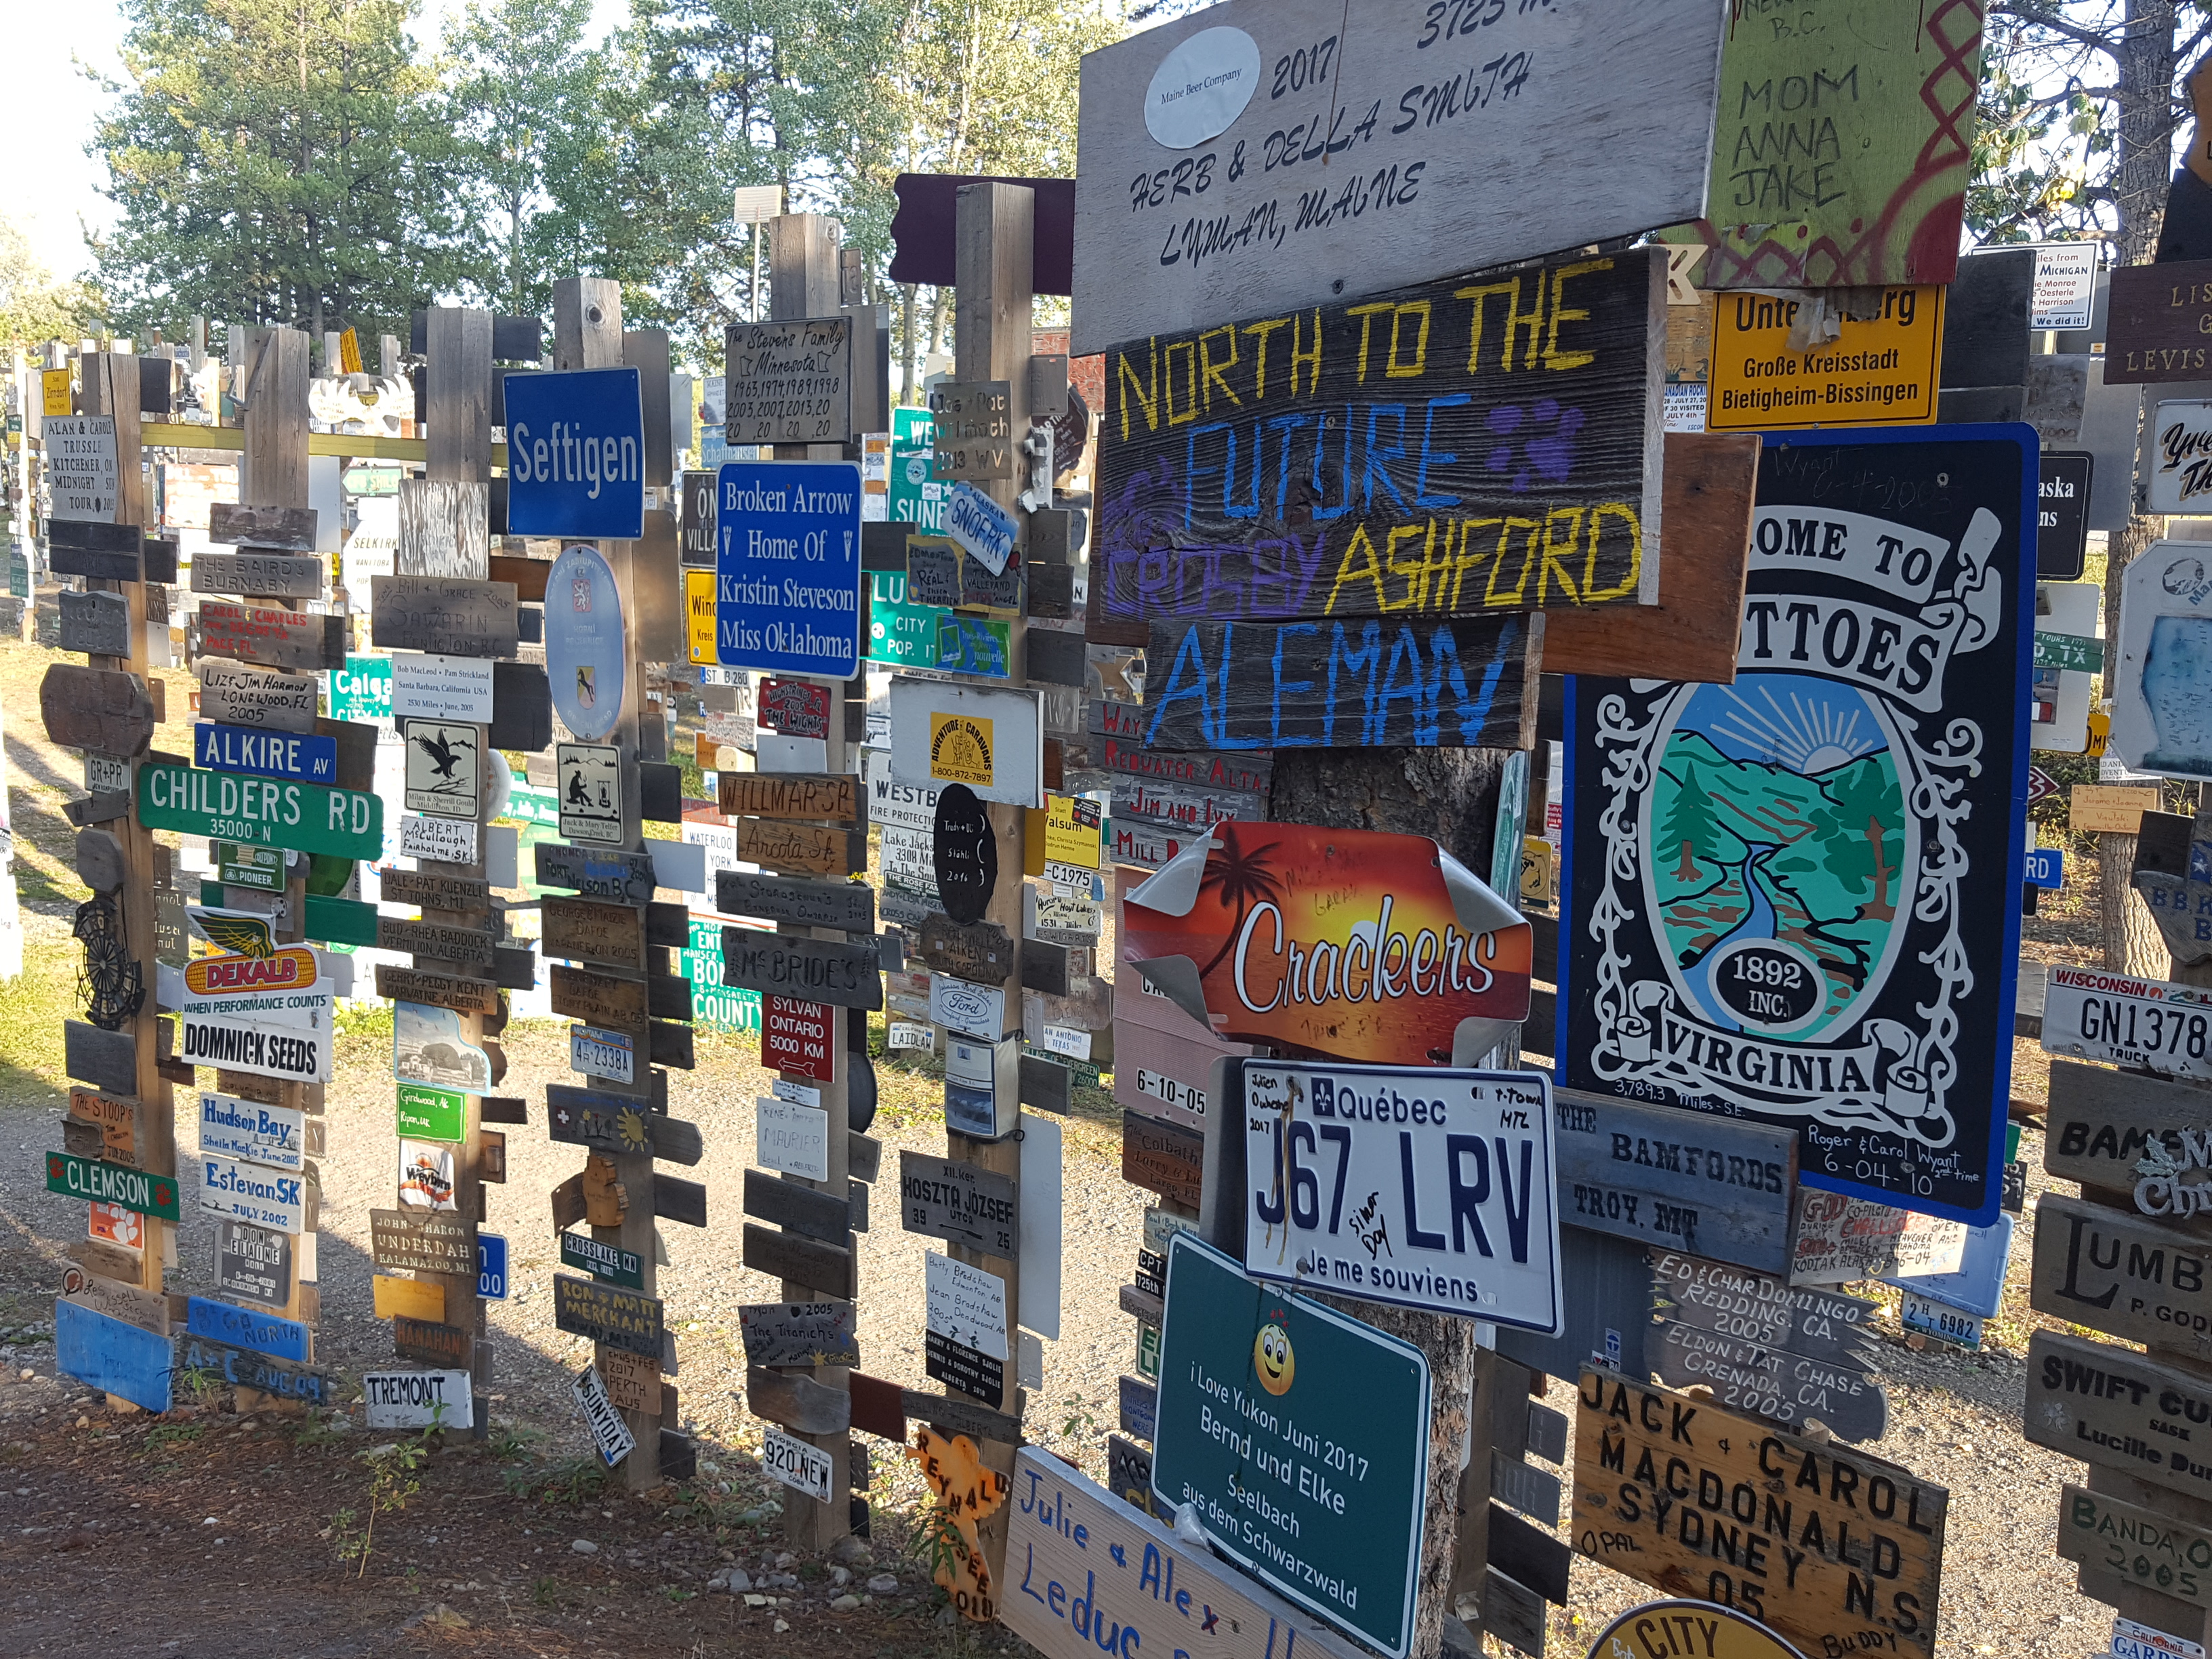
(1690, 824)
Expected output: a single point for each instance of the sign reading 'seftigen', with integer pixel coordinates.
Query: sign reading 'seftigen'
(576, 447)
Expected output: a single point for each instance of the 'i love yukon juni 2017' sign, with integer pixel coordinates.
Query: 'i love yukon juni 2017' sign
(1796, 898)
(1350, 942)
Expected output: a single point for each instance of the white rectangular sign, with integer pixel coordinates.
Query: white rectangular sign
(246, 1192)
(894, 805)
(609, 1432)
(2130, 1022)
(989, 738)
(2065, 285)
(961, 1005)
(442, 841)
(2162, 687)
(797, 1465)
(274, 1135)
(81, 469)
(2179, 442)
(432, 687)
(794, 1139)
(1417, 1187)
(1842, 1239)
(296, 1053)
(965, 1303)
(268, 990)
(418, 1400)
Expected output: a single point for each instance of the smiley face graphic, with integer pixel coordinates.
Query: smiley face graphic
(1272, 1360)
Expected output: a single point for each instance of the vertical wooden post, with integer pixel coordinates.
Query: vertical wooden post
(587, 333)
(459, 450)
(804, 282)
(994, 236)
(110, 387)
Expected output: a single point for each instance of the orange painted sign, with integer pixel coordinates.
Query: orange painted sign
(1349, 943)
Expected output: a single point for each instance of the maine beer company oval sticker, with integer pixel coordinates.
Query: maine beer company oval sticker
(586, 659)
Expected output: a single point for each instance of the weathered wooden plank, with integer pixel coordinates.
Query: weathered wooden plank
(584, 1117)
(624, 878)
(1717, 1296)
(105, 1059)
(102, 709)
(1189, 809)
(848, 905)
(1636, 1447)
(467, 996)
(597, 999)
(444, 529)
(807, 849)
(959, 1202)
(586, 930)
(979, 951)
(147, 1309)
(242, 1368)
(824, 1267)
(844, 976)
(669, 1044)
(668, 997)
(408, 1241)
(1257, 685)
(287, 529)
(823, 798)
(438, 941)
(433, 1343)
(799, 1403)
(261, 575)
(675, 1198)
(2127, 1278)
(2141, 1547)
(1526, 1487)
(1118, 728)
(273, 638)
(98, 624)
(447, 616)
(802, 1210)
(521, 707)
(1162, 1158)
(234, 694)
(1749, 1375)
(618, 1318)
(2114, 1408)
(2104, 1124)
(1706, 1185)
(799, 1334)
(961, 1417)
(1054, 969)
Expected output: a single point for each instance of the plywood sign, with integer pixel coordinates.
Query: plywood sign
(1518, 492)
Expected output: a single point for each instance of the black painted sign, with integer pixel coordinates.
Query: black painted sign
(619, 1318)
(958, 1202)
(848, 905)
(964, 853)
(2062, 531)
(844, 976)
(1482, 443)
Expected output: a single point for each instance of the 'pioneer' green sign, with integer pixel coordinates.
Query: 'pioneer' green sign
(261, 811)
(111, 1183)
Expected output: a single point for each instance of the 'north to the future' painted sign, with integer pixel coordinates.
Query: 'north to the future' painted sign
(787, 582)
(575, 449)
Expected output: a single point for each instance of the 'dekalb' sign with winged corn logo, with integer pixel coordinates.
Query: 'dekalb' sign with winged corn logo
(1795, 899)
(1350, 942)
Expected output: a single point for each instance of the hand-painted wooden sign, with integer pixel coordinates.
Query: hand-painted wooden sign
(599, 998)
(1361, 944)
(1771, 957)
(1733, 1301)
(148, 1310)
(275, 639)
(261, 575)
(2110, 1271)
(958, 1202)
(253, 1263)
(789, 381)
(439, 941)
(2156, 323)
(1204, 195)
(1391, 1143)
(2113, 1408)
(963, 854)
(2138, 1547)
(433, 891)
(246, 1327)
(843, 975)
(1163, 1073)
(243, 1367)
(1708, 1185)
(623, 878)
(467, 996)
(446, 615)
(799, 848)
(980, 951)
(585, 1118)
(1835, 1514)
(845, 904)
(274, 1135)
(633, 1382)
(115, 1121)
(411, 1241)
(799, 1334)
(1511, 494)
(827, 1268)
(102, 1182)
(432, 1343)
(112, 1355)
(834, 799)
(287, 529)
(96, 624)
(2127, 1132)
(586, 930)
(234, 694)
(2155, 1024)
(618, 1318)
(1749, 1375)
(101, 709)
(1162, 1158)
(305, 817)
(444, 528)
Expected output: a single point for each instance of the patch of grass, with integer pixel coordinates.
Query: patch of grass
(39, 999)
(575, 1482)
(169, 1434)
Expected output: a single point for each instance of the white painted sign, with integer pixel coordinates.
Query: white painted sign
(243, 1129)
(371, 551)
(894, 804)
(965, 1303)
(426, 1176)
(1041, 1190)
(296, 1053)
(609, 1432)
(247, 1192)
(2179, 444)
(796, 1464)
(104, 774)
(433, 687)
(81, 470)
(442, 841)
(2161, 687)
(2065, 285)
(1841, 1239)
(989, 738)
(445, 768)
(588, 779)
(418, 1400)
(794, 1139)
(799, 1093)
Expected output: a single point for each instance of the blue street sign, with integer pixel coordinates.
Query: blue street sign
(2046, 867)
(787, 582)
(491, 1267)
(311, 758)
(575, 455)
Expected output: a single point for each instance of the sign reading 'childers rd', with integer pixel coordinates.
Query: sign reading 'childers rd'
(261, 811)
(1362, 945)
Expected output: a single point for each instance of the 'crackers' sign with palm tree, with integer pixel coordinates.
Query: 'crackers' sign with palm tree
(1347, 943)
(1797, 898)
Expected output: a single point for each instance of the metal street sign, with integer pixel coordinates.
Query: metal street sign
(958, 1202)
(588, 650)
(576, 455)
(606, 1263)
(103, 1182)
(305, 817)
(609, 1432)
(1300, 1438)
(788, 567)
(1418, 1188)
(309, 759)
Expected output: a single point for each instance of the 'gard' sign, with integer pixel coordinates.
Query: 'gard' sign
(261, 811)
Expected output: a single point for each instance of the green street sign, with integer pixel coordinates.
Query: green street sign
(340, 921)
(1300, 1438)
(2074, 651)
(361, 690)
(427, 1113)
(604, 1262)
(111, 1183)
(261, 811)
(1148, 1353)
(915, 497)
(261, 867)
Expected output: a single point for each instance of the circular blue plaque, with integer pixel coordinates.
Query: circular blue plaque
(586, 658)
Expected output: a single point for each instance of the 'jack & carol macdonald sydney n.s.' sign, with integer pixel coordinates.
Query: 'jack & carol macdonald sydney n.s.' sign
(1797, 898)
(1349, 943)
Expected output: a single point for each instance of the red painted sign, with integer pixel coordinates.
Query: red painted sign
(1349, 943)
(796, 1036)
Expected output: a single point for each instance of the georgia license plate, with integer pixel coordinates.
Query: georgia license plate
(796, 1464)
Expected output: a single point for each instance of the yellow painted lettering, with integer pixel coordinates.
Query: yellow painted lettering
(1599, 515)
(1553, 357)
(1146, 393)
(1355, 569)
(1189, 349)
(1492, 598)
(1557, 544)
(1263, 329)
(1515, 321)
(1402, 371)
(1311, 358)
(1213, 378)
(1366, 315)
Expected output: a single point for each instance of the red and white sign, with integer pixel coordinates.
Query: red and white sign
(796, 1036)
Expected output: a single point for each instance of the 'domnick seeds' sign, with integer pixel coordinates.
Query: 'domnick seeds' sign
(1796, 898)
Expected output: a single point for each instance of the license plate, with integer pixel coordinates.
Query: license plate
(1932, 1318)
(1183, 1096)
(796, 1464)
(612, 1055)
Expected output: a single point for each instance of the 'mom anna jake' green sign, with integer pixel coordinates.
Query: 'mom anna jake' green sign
(111, 1183)
(261, 811)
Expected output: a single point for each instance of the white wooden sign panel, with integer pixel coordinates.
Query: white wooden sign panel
(990, 739)
(2161, 689)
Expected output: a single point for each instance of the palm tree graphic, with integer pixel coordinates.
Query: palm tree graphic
(1242, 877)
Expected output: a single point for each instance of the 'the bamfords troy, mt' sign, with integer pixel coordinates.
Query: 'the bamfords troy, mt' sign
(1488, 442)
(1355, 944)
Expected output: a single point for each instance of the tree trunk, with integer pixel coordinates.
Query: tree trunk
(2133, 944)
(1882, 910)
(1450, 794)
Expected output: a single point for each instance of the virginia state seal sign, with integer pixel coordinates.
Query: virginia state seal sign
(1797, 898)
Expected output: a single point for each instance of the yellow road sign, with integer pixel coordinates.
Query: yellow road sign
(1880, 373)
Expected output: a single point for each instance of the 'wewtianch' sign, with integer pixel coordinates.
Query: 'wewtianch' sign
(1484, 443)
(1796, 898)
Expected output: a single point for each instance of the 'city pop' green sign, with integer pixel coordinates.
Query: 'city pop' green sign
(261, 811)
(1300, 1438)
